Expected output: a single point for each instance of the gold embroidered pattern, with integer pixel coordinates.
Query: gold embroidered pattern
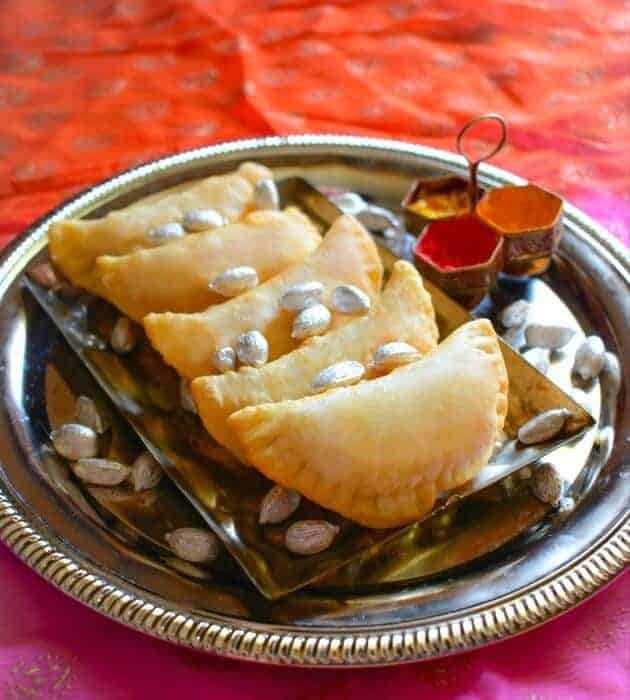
(47, 676)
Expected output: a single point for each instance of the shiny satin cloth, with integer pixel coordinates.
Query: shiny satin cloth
(90, 87)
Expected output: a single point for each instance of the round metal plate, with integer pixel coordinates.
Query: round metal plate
(522, 585)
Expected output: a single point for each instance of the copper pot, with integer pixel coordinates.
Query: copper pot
(529, 219)
(467, 284)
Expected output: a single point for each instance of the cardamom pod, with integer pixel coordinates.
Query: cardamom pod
(313, 320)
(202, 220)
(589, 358)
(547, 485)
(266, 195)
(252, 349)
(349, 202)
(543, 427)
(113, 494)
(300, 296)
(74, 441)
(165, 233)
(310, 536)
(224, 359)
(100, 472)
(234, 281)
(553, 337)
(193, 544)
(123, 337)
(348, 299)
(343, 373)
(378, 219)
(391, 355)
(278, 504)
(515, 314)
(146, 472)
(86, 413)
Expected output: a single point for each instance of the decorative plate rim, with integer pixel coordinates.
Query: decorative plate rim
(241, 639)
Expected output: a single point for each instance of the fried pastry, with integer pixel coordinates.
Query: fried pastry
(175, 277)
(187, 341)
(381, 451)
(75, 244)
(403, 313)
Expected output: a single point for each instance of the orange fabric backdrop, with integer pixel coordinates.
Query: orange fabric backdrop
(90, 87)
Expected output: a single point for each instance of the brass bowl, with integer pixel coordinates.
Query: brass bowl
(530, 220)
(436, 198)
(468, 284)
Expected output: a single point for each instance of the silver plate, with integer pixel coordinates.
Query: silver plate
(478, 604)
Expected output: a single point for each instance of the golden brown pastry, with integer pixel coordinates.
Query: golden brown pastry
(381, 451)
(187, 341)
(175, 277)
(75, 244)
(404, 312)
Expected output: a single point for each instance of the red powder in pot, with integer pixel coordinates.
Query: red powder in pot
(455, 243)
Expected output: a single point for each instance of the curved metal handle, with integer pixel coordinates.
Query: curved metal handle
(472, 163)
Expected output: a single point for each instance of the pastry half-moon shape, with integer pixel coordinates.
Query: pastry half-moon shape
(187, 341)
(379, 452)
(75, 244)
(404, 312)
(175, 277)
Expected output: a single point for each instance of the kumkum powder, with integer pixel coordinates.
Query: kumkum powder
(456, 243)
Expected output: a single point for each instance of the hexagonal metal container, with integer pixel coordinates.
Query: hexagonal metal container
(467, 284)
(529, 219)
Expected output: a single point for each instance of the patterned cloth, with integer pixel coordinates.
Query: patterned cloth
(90, 87)
(52, 645)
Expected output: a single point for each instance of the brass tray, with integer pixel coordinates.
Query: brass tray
(395, 613)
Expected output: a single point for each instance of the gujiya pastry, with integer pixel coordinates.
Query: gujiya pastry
(297, 358)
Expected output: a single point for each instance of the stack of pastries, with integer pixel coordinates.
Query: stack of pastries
(352, 403)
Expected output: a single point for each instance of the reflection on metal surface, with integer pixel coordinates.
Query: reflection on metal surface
(15, 346)
(480, 525)
(525, 582)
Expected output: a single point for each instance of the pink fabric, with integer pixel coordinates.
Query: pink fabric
(607, 209)
(53, 648)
